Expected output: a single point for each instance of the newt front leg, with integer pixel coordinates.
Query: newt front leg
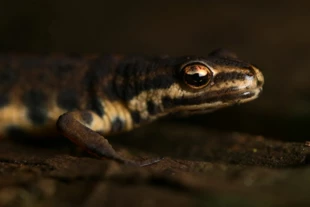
(80, 126)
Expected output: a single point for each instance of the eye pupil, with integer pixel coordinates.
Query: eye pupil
(195, 79)
(196, 76)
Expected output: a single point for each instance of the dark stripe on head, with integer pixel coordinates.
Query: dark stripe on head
(68, 99)
(117, 125)
(87, 117)
(128, 90)
(170, 103)
(35, 101)
(227, 76)
(4, 100)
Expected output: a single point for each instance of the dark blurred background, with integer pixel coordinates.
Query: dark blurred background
(274, 36)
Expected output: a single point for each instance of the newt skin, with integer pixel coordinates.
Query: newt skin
(86, 98)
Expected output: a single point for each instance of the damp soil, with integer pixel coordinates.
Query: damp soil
(201, 167)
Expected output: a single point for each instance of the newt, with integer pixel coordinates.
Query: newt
(86, 98)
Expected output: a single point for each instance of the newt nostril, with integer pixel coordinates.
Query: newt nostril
(259, 77)
(260, 83)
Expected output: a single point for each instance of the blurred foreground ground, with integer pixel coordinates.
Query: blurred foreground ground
(203, 168)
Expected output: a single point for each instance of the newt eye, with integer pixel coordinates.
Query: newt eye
(196, 75)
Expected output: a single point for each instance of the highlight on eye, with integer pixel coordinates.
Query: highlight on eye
(196, 75)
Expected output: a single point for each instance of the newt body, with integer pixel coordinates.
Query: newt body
(88, 97)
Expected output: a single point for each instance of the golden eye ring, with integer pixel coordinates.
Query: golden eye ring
(196, 75)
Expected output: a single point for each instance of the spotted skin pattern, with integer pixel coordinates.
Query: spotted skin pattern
(86, 98)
